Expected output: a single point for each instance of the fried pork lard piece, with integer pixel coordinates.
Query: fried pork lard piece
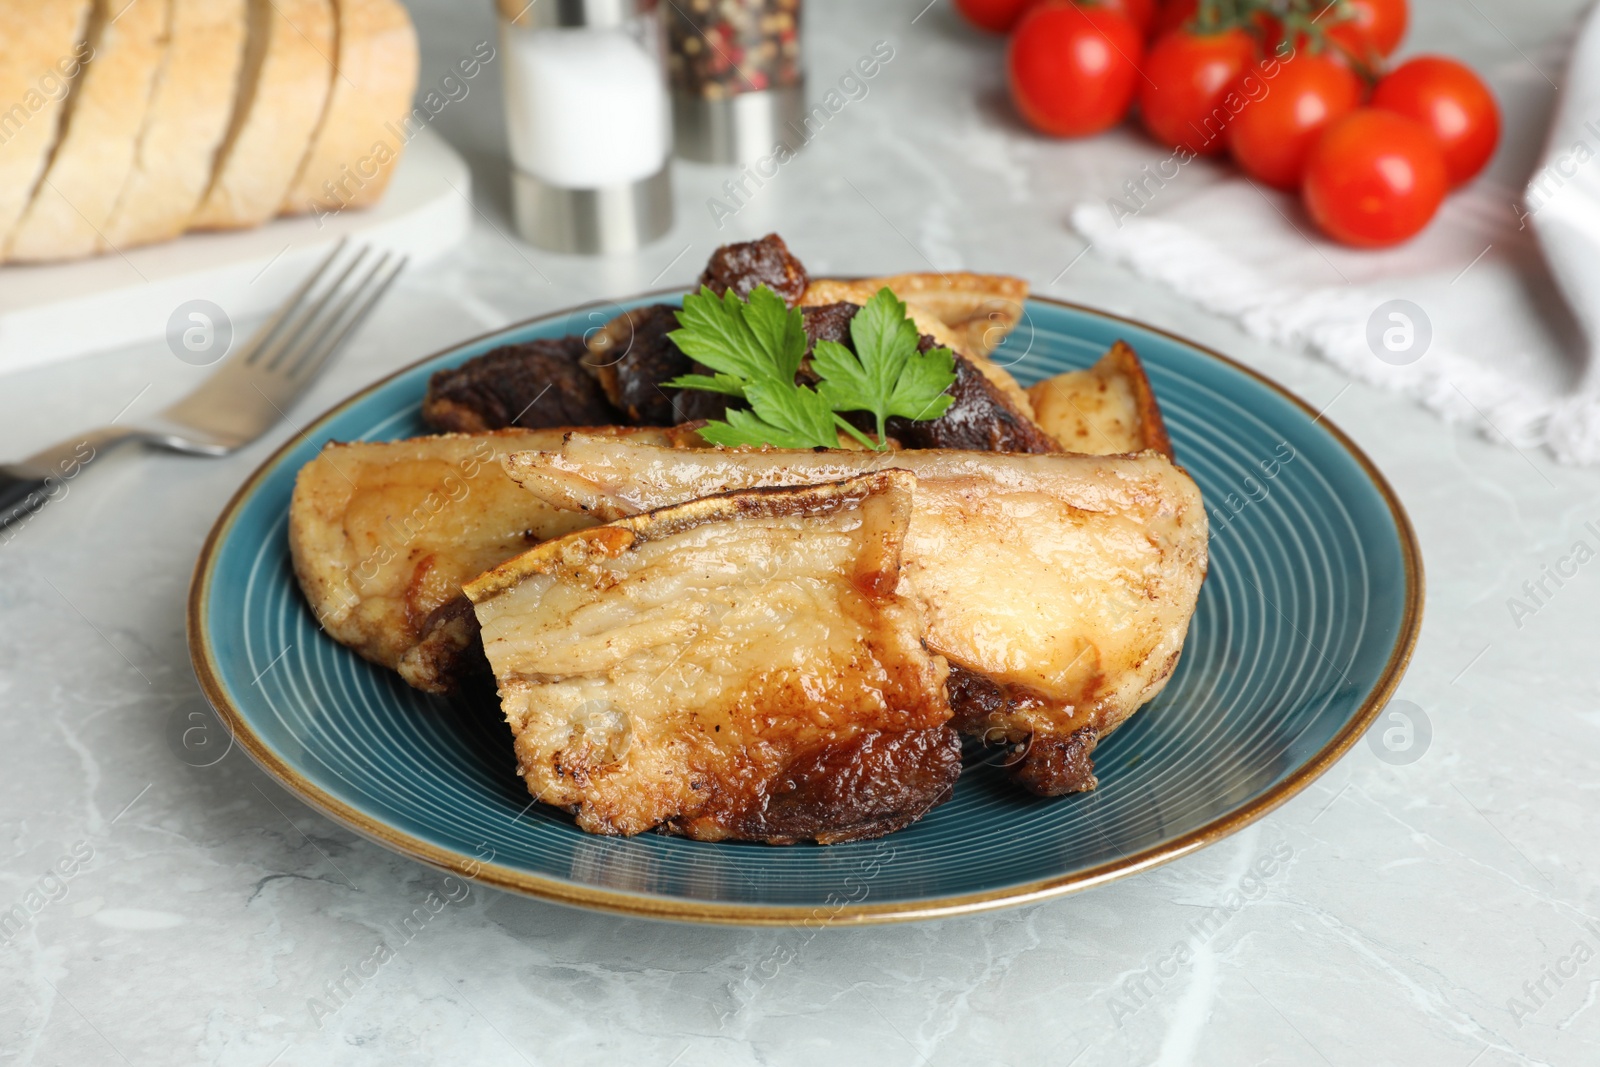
(735, 667)
(1059, 587)
(1104, 410)
(744, 266)
(384, 533)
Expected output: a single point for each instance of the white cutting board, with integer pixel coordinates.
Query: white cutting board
(58, 311)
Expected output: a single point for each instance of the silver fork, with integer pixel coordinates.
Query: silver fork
(246, 396)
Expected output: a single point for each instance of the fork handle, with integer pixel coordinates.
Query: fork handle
(27, 486)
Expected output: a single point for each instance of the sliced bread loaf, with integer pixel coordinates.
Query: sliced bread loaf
(189, 111)
(283, 85)
(359, 140)
(101, 125)
(42, 52)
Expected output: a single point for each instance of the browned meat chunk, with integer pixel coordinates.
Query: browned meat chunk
(533, 386)
(830, 322)
(743, 267)
(632, 356)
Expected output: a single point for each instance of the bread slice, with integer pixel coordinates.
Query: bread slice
(358, 142)
(283, 86)
(42, 52)
(74, 200)
(189, 111)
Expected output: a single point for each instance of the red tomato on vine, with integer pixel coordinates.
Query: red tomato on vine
(1453, 102)
(1073, 70)
(1274, 132)
(1374, 178)
(1186, 78)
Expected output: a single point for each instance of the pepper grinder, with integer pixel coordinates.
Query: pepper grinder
(589, 123)
(738, 90)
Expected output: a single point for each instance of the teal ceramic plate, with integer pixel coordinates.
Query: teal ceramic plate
(1303, 629)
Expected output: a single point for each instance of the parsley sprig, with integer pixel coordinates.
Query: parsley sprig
(754, 349)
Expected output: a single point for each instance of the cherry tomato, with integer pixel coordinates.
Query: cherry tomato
(996, 16)
(1186, 79)
(1374, 178)
(1368, 26)
(1451, 100)
(1142, 13)
(1287, 109)
(1073, 69)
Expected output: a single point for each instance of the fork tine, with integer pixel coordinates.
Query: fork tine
(289, 361)
(250, 390)
(267, 329)
(288, 339)
(346, 318)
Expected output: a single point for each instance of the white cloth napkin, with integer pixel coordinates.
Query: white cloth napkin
(1468, 318)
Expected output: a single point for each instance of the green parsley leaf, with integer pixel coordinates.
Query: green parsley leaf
(885, 375)
(792, 417)
(756, 348)
(719, 383)
(743, 428)
(753, 341)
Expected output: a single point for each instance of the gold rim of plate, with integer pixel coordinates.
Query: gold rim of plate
(202, 656)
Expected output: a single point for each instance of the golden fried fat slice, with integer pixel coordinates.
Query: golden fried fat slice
(384, 533)
(1064, 582)
(1105, 410)
(738, 666)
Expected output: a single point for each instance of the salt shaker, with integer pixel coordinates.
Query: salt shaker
(589, 123)
(738, 89)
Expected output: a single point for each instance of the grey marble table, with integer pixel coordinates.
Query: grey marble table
(1441, 912)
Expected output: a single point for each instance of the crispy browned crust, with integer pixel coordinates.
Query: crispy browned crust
(617, 537)
(872, 785)
(1046, 764)
(381, 534)
(1055, 766)
(1152, 427)
(448, 652)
